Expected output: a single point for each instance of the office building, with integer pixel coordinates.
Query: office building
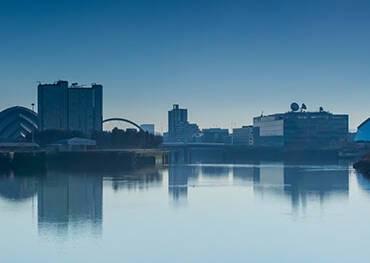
(179, 129)
(243, 135)
(72, 107)
(300, 129)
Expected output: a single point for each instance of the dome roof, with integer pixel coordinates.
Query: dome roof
(16, 122)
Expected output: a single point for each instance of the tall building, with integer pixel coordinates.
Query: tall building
(85, 108)
(301, 130)
(70, 107)
(52, 105)
(179, 129)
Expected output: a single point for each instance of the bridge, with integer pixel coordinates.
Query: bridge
(124, 120)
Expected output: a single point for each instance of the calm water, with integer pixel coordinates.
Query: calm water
(194, 213)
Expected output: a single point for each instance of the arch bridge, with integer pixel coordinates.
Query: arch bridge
(124, 120)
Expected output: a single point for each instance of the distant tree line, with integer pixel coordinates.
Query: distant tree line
(117, 138)
(130, 138)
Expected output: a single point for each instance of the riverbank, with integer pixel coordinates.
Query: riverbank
(125, 159)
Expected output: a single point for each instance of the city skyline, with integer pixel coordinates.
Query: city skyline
(224, 61)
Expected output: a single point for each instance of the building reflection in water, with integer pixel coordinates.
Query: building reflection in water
(363, 181)
(322, 183)
(297, 182)
(215, 171)
(17, 188)
(70, 200)
(136, 180)
(178, 181)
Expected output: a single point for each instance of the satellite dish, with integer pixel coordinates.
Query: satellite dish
(303, 107)
(294, 106)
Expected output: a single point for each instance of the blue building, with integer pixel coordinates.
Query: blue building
(363, 132)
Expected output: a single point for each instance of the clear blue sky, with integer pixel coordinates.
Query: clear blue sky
(224, 60)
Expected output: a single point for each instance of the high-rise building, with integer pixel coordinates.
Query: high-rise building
(52, 107)
(70, 107)
(179, 129)
(85, 108)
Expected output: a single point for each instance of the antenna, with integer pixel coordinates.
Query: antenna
(303, 107)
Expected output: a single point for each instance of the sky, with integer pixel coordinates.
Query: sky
(226, 61)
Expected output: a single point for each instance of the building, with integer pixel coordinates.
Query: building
(16, 123)
(363, 132)
(179, 129)
(70, 107)
(216, 135)
(243, 135)
(53, 105)
(85, 112)
(301, 129)
(73, 144)
(149, 128)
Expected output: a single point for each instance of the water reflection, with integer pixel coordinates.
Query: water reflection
(17, 188)
(74, 200)
(321, 183)
(364, 182)
(178, 177)
(296, 182)
(71, 201)
(136, 180)
(67, 200)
